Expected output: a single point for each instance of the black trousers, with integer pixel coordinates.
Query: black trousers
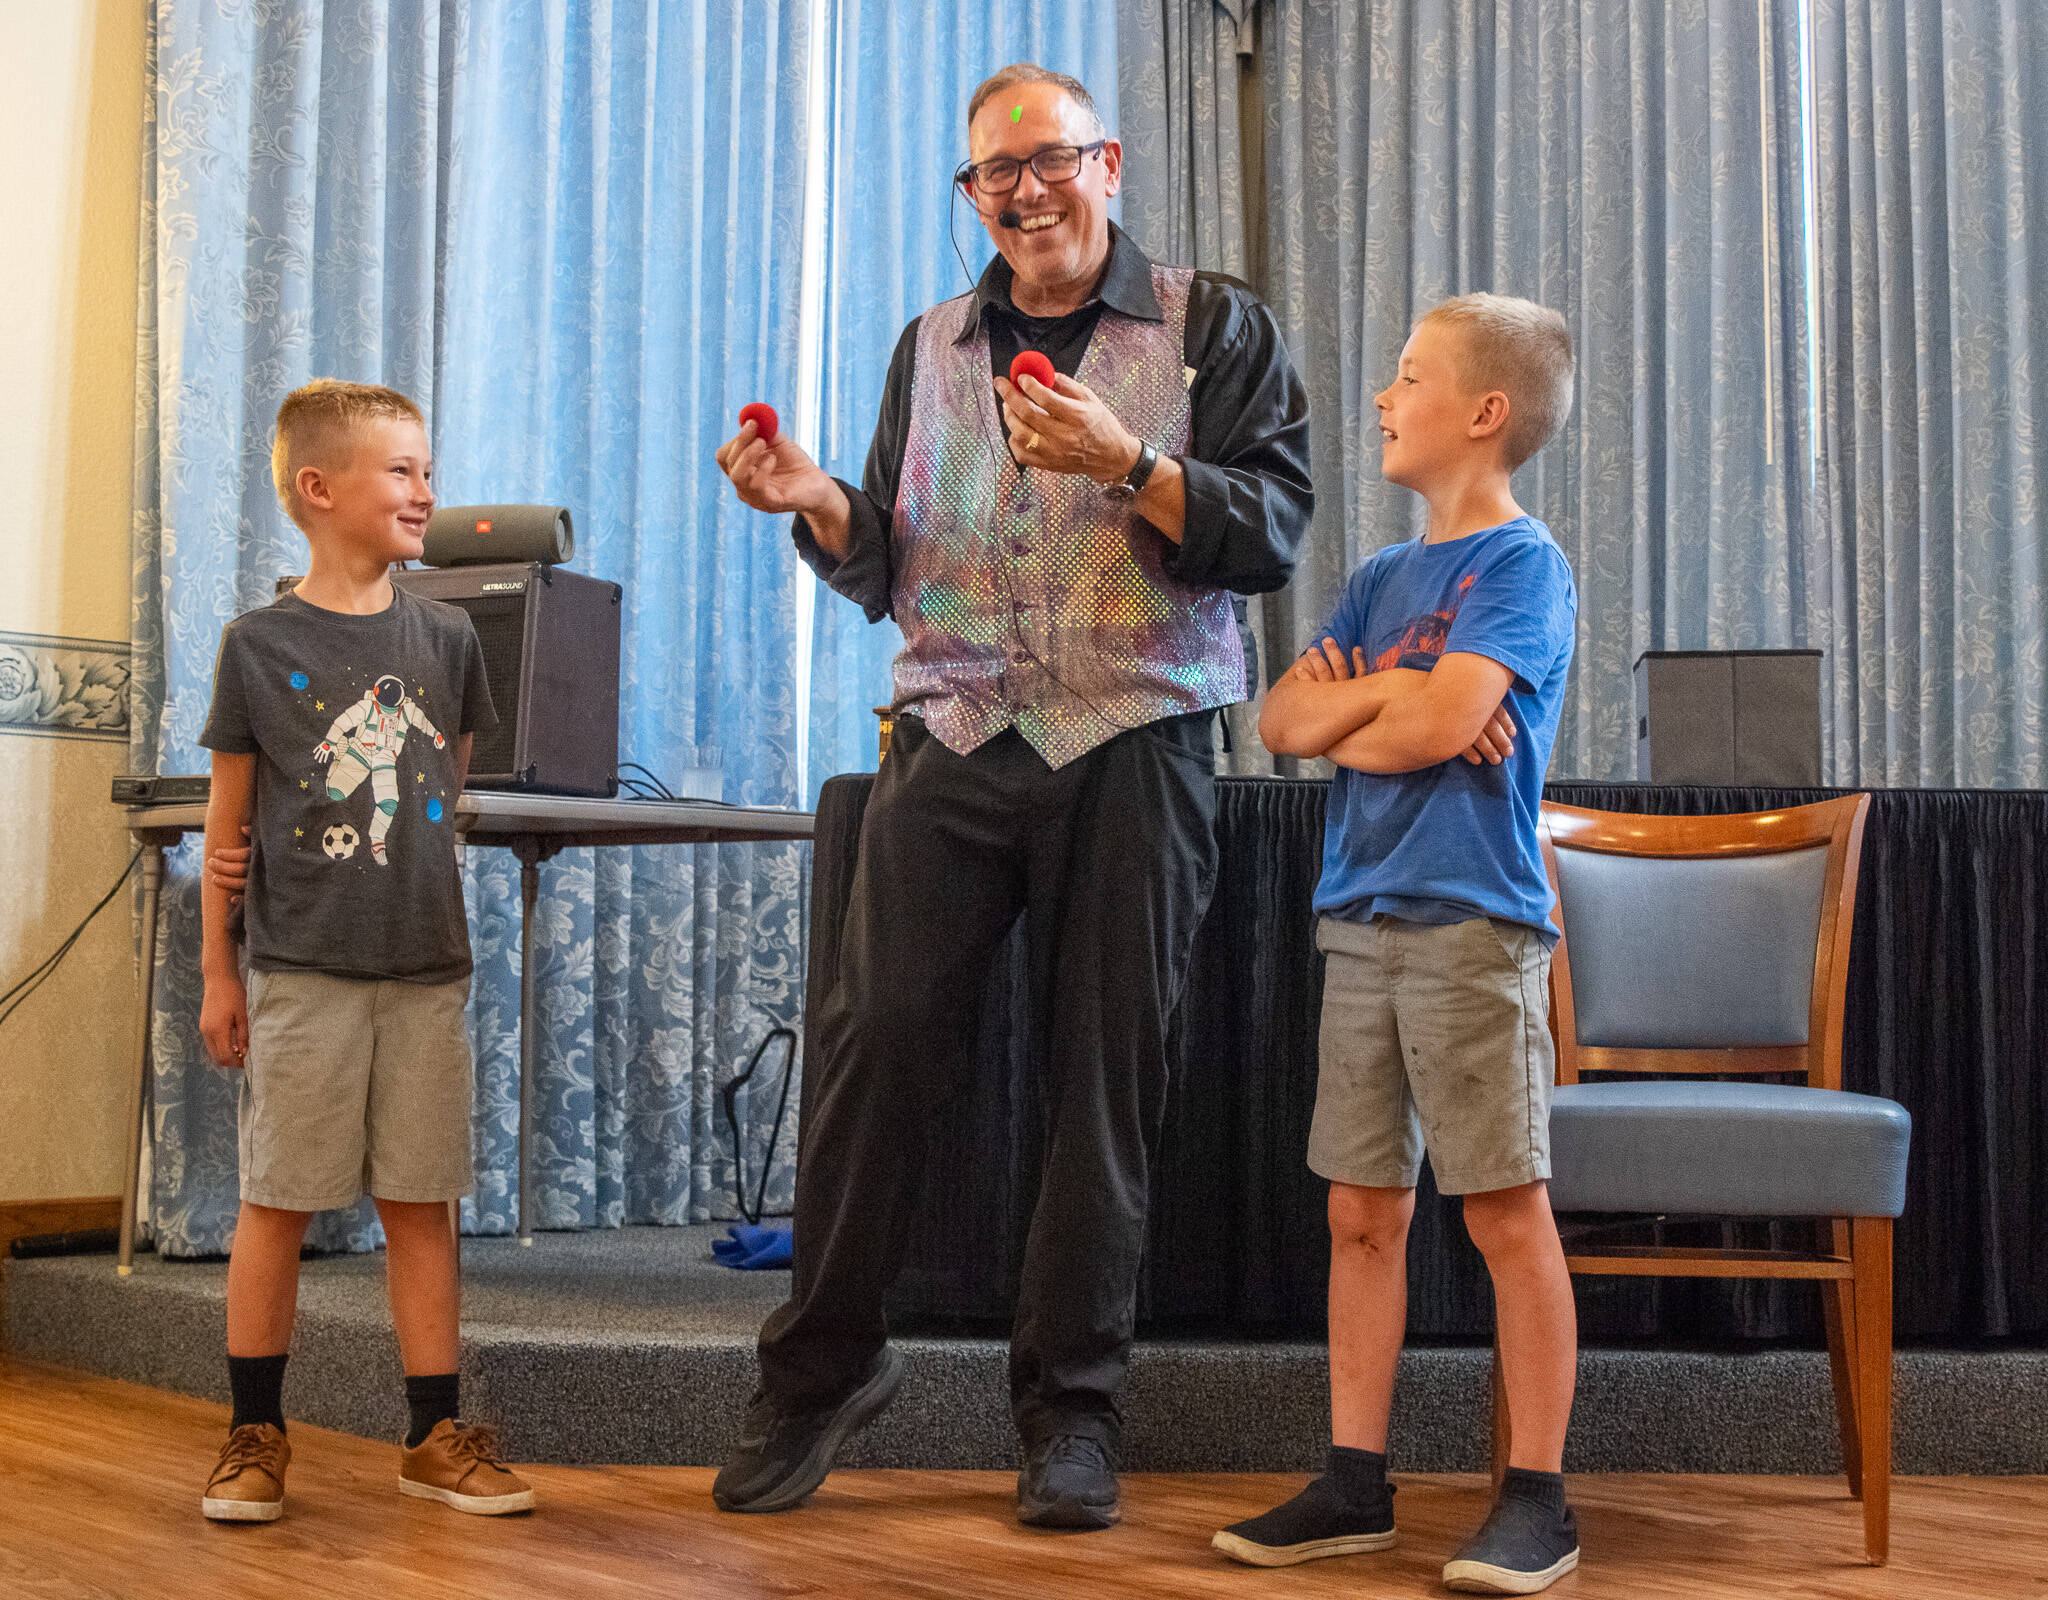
(1112, 858)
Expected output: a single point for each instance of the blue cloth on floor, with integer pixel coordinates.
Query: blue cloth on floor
(752, 1247)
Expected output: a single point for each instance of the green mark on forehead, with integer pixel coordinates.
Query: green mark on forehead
(1016, 113)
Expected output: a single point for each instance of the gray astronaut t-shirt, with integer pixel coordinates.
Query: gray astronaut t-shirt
(355, 722)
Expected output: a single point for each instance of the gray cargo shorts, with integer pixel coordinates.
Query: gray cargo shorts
(354, 1085)
(1433, 1038)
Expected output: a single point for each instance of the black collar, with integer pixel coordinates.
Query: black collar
(1126, 287)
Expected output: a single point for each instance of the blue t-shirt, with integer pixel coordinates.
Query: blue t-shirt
(1455, 840)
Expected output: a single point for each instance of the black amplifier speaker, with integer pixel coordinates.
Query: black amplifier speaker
(551, 656)
(551, 653)
(1729, 717)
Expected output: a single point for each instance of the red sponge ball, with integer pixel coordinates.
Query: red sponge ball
(1032, 363)
(762, 415)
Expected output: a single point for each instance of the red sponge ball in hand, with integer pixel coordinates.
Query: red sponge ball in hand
(762, 415)
(1032, 363)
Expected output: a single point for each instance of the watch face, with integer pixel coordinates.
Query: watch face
(1119, 492)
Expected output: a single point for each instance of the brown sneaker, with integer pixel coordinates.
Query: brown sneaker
(248, 1483)
(458, 1464)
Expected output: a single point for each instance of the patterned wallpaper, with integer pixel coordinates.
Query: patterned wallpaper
(63, 688)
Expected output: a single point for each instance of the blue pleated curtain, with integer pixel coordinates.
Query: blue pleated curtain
(1931, 259)
(573, 232)
(623, 273)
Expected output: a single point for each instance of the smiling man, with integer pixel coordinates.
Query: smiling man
(1062, 563)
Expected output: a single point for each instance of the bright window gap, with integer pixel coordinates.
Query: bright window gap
(809, 419)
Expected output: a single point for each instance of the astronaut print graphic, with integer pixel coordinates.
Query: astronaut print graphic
(367, 740)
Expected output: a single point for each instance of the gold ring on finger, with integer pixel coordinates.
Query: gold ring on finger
(1031, 441)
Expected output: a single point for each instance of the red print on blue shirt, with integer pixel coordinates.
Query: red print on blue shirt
(1423, 638)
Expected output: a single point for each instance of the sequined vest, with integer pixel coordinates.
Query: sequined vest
(1031, 597)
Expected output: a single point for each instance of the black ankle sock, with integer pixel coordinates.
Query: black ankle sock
(434, 1398)
(1359, 1475)
(1544, 1489)
(257, 1384)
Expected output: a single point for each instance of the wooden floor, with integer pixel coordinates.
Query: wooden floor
(100, 1481)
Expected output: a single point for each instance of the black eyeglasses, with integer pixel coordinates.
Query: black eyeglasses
(1056, 163)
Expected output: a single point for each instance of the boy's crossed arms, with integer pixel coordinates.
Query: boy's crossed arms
(1398, 719)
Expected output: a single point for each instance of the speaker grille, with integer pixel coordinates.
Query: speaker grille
(500, 621)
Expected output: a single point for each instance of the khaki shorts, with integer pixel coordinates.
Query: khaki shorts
(354, 1085)
(1437, 1038)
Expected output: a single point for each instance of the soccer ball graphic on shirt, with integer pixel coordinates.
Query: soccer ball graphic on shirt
(339, 841)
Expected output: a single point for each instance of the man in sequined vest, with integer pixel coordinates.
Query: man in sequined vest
(1061, 561)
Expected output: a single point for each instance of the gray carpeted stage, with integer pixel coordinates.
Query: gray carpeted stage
(634, 1347)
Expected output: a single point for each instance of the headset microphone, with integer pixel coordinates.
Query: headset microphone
(1010, 219)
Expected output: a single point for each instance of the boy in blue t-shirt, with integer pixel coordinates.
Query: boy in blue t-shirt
(1435, 690)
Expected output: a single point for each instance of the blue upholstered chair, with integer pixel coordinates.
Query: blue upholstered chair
(1709, 951)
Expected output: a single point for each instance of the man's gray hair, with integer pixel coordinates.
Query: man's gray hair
(1030, 72)
(1521, 349)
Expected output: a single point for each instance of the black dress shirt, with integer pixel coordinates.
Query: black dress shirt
(1246, 467)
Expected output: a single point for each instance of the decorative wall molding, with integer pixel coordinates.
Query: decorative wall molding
(54, 687)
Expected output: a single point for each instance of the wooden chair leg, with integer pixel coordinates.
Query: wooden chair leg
(1503, 1436)
(1871, 1249)
(1838, 1310)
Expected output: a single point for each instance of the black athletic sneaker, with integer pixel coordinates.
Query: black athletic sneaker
(1525, 1544)
(1320, 1521)
(1067, 1482)
(779, 1460)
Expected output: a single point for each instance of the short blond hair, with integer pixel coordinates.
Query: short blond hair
(320, 417)
(1523, 350)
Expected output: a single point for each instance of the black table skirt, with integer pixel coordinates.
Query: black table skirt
(1947, 1013)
